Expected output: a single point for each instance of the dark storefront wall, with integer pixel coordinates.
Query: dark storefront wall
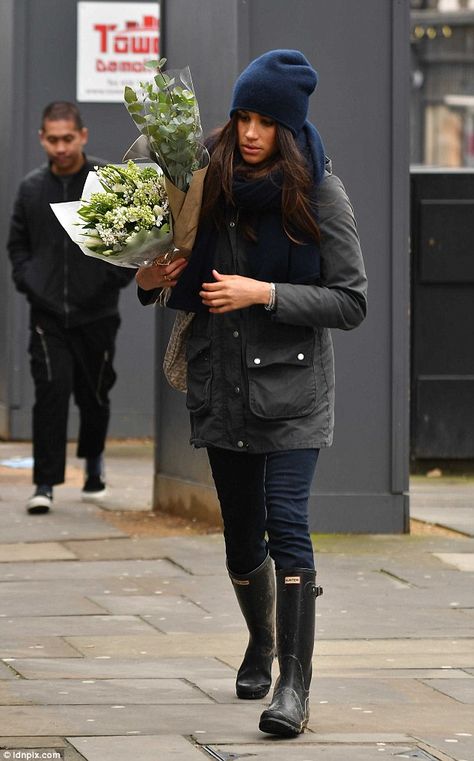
(442, 366)
(361, 108)
(39, 65)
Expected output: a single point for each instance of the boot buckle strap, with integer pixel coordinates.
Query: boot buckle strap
(314, 590)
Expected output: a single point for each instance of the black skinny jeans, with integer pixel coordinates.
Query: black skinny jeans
(264, 505)
(67, 361)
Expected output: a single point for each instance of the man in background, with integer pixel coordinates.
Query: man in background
(74, 314)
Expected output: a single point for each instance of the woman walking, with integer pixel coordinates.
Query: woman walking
(276, 265)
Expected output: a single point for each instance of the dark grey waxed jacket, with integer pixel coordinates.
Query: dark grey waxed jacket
(261, 381)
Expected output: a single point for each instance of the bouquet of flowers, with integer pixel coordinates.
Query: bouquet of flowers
(132, 215)
(123, 216)
(166, 112)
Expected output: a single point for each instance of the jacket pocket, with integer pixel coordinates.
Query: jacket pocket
(281, 379)
(199, 374)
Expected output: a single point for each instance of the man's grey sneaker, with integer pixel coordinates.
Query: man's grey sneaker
(41, 500)
(94, 489)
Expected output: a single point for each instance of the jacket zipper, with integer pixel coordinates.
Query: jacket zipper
(101, 375)
(66, 270)
(233, 222)
(47, 360)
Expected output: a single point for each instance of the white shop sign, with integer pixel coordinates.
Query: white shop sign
(113, 42)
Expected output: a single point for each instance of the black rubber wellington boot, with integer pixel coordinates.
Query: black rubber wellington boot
(288, 712)
(255, 593)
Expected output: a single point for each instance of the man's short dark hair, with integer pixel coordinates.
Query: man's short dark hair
(62, 109)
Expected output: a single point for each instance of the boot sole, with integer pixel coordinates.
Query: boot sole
(37, 509)
(272, 725)
(39, 504)
(252, 694)
(94, 496)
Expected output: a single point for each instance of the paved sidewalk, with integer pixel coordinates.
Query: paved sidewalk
(115, 648)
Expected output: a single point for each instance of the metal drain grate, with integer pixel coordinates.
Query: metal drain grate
(416, 753)
(221, 755)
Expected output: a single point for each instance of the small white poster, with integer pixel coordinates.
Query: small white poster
(113, 42)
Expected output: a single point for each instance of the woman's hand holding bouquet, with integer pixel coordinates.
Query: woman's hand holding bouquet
(160, 275)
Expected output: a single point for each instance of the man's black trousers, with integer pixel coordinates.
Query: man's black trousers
(67, 361)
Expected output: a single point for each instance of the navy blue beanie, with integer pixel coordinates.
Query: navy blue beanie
(277, 84)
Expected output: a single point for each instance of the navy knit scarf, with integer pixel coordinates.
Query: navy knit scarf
(272, 257)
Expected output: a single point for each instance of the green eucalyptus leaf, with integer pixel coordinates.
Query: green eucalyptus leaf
(154, 64)
(160, 81)
(129, 95)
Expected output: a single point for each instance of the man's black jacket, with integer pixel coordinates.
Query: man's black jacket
(47, 266)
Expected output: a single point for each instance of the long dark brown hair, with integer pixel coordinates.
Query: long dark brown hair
(297, 209)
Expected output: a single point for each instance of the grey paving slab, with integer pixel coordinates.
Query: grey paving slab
(456, 745)
(87, 588)
(21, 646)
(393, 659)
(463, 561)
(160, 569)
(210, 623)
(436, 488)
(417, 720)
(199, 555)
(456, 518)
(171, 612)
(162, 645)
(83, 720)
(119, 693)
(308, 738)
(430, 577)
(312, 752)
(116, 668)
(129, 548)
(214, 589)
(386, 622)
(324, 663)
(459, 689)
(212, 593)
(340, 690)
(20, 552)
(61, 626)
(129, 646)
(28, 603)
(433, 660)
(201, 562)
(366, 673)
(405, 646)
(449, 585)
(125, 748)
(6, 672)
(372, 691)
(77, 520)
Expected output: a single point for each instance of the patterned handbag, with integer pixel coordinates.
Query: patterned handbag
(174, 362)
